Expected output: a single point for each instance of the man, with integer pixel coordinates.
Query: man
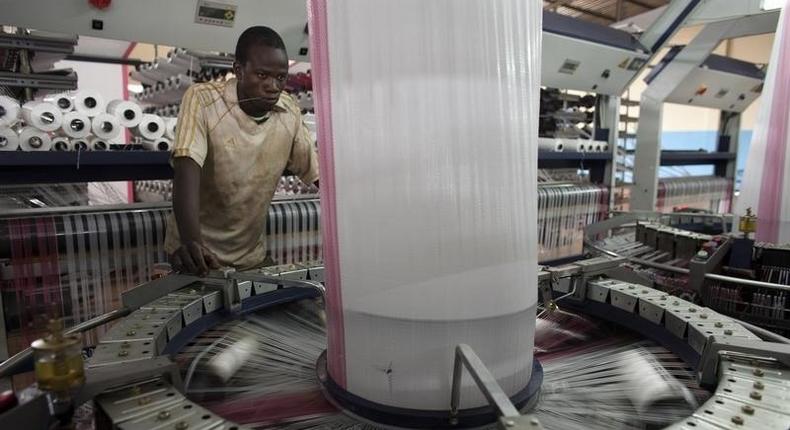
(233, 142)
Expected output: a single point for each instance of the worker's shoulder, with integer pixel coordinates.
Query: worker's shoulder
(206, 92)
(289, 104)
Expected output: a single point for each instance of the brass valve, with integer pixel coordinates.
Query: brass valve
(59, 366)
(748, 222)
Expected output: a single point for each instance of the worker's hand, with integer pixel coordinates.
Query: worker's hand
(193, 258)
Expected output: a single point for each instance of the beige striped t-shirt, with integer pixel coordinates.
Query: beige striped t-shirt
(242, 162)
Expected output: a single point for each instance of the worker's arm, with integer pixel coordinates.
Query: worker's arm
(304, 158)
(192, 256)
(189, 152)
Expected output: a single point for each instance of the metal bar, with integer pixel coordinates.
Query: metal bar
(38, 43)
(764, 334)
(38, 80)
(4, 385)
(105, 60)
(20, 359)
(747, 282)
(256, 277)
(466, 357)
(647, 263)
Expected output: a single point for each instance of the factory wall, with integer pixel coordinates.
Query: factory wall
(692, 128)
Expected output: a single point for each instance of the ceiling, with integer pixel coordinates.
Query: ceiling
(604, 12)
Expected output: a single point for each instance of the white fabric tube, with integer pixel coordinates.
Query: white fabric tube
(97, 144)
(170, 127)
(89, 102)
(42, 115)
(76, 125)
(9, 111)
(105, 126)
(33, 139)
(161, 144)
(128, 112)
(61, 144)
(62, 101)
(766, 179)
(404, 289)
(9, 139)
(79, 145)
(151, 127)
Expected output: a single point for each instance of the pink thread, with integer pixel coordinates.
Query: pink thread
(319, 60)
(769, 206)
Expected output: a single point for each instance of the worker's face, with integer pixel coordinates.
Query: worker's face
(261, 79)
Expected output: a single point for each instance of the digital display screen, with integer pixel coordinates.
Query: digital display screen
(213, 12)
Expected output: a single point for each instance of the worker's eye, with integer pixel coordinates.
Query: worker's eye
(262, 75)
(282, 78)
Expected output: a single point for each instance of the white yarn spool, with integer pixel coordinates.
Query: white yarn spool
(79, 145)
(170, 127)
(33, 139)
(76, 125)
(128, 112)
(9, 111)
(161, 144)
(89, 102)
(42, 115)
(151, 127)
(61, 144)
(9, 139)
(105, 126)
(63, 101)
(549, 144)
(97, 144)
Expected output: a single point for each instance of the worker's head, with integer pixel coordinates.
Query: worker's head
(261, 68)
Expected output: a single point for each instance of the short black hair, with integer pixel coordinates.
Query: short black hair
(258, 35)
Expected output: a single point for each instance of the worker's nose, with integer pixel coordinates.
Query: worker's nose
(270, 85)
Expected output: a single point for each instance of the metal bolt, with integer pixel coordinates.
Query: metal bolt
(644, 291)
(131, 333)
(718, 325)
(182, 425)
(675, 303)
(662, 298)
(758, 385)
(692, 310)
(123, 353)
(163, 415)
(631, 287)
(748, 410)
(510, 423)
(737, 419)
(758, 372)
(756, 395)
(728, 332)
(703, 316)
(534, 422)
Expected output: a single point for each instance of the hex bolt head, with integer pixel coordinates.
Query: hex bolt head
(718, 324)
(758, 385)
(748, 410)
(737, 419)
(758, 372)
(756, 395)
(163, 415)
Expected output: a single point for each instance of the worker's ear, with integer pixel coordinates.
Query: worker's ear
(237, 69)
